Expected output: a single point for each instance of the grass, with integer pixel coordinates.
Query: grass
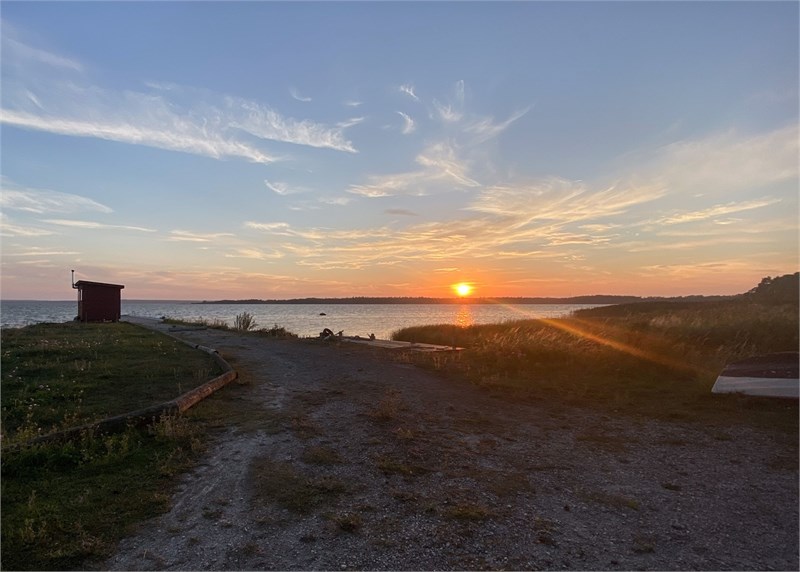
(56, 376)
(64, 506)
(653, 359)
(242, 323)
(280, 482)
(388, 408)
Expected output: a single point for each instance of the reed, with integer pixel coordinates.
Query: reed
(657, 359)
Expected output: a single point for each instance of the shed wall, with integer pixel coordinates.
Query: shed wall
(98, 303)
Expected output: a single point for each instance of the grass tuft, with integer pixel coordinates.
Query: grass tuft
(282, 483)
(388, 408)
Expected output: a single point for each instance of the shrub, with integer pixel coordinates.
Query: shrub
(276, 331)
(244, 322)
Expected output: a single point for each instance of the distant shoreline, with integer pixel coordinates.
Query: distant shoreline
(594, 299)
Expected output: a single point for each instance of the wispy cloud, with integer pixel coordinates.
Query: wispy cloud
(40, 252)
(443, 161)
(296, 95)
(408, 89)
(725, 162)
(484, 128)
(408, 123)
(350, 122)
(278, 228)
(717, 211)
(562, 200)
(185, 137)
(95, 225)
(339, 201)
(19, 52)
(545, 220)
(189, 236)
(441, 170)
(254, 253)
(282, 188)
(8, 228)
(452, 111)
(447, 112)
(41, 201)
(266, 123)
(172, 119)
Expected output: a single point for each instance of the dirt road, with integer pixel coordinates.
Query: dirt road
(339, 458)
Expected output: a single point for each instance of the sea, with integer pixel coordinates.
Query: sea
(305, 320)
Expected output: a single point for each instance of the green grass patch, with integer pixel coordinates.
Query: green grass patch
(56, 376)
(654, 359)
(66, 505)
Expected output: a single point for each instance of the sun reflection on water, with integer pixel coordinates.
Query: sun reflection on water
(464, 316)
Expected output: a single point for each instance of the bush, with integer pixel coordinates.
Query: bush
(244, 322)
(276, 331)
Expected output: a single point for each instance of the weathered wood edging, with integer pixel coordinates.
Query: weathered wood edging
(149, 415)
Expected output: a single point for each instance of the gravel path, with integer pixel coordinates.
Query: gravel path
(344, 459)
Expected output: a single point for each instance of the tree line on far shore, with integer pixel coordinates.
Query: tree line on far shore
(779, 290)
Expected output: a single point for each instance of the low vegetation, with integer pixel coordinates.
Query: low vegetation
(244, 322)
(56, 376)
(65, 505)
(657, 359)
(280, 482)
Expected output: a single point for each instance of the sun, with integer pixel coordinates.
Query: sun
(462, 289)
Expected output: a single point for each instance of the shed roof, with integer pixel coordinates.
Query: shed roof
(81, 283)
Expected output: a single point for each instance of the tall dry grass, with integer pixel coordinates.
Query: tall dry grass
(657, 359)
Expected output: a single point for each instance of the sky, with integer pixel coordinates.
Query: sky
(203, 150)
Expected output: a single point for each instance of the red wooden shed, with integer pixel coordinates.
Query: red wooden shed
(98, 301)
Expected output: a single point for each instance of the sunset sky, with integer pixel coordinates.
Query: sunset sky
(278, 150)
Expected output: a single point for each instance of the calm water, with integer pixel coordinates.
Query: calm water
(302, 319)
